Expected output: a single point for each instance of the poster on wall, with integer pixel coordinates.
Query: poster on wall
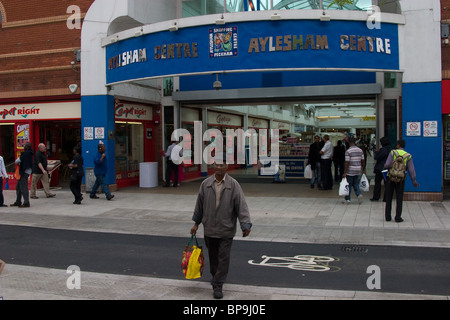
(430, 128)
(88, 133)
(22, 133)
(413, 129)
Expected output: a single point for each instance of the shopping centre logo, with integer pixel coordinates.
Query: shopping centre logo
(262, 149)
(223, 42)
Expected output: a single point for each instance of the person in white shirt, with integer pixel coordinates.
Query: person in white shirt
(325, 165)
(3, 175)
(172, 164)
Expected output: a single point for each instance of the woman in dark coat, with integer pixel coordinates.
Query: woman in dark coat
(76, 175)
(380, 157)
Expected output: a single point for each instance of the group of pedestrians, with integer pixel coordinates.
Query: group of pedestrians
(354, 165)
(37, 168)
(320, 158)
(35, 165)
(396, 163)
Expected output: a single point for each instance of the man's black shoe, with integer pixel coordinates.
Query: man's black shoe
(398, 220)
(218, 294)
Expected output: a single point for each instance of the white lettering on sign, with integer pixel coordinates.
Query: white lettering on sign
(365, 44)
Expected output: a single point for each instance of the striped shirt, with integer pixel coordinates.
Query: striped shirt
(354, 156)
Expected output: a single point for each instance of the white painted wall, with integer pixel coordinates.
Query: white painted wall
(420, 41)
(95, 28)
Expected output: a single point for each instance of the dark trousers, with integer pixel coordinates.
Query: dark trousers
(327, 178)
(2, 200)
(171, 167)
(22, 190)
(377, 188)
(390, 188)
(219, 250)
(75, 187)
(338, 169)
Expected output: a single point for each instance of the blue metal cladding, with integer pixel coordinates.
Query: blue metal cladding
(255, 46)
(422, 102)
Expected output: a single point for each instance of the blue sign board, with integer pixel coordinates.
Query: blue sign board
(255, 46)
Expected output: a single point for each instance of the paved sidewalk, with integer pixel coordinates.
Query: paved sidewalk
(277, 212)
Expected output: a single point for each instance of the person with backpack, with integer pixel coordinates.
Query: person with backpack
(398, 163)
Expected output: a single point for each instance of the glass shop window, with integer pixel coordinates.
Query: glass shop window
(7, 146)
(129, 146)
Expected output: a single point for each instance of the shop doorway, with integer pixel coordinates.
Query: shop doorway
(298, 123)
(59, 137)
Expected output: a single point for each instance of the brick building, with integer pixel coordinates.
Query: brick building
(40, 77)
(40, 93)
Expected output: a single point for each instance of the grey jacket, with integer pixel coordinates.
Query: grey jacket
(221, 223)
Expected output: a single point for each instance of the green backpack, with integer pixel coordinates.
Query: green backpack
(397, 171)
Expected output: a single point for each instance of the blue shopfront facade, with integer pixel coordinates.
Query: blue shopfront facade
(277, 60)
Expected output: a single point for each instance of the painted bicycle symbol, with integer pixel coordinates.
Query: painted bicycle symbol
(299, 262)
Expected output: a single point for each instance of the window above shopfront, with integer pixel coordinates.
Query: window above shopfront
(202, 7)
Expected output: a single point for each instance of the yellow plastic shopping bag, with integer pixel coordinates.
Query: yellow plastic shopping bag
(193, 261)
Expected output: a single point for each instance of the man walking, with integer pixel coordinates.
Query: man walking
(398, 161)
(100, 171)
(326, 156)
(25, 163)
(354, 162)
(220, 203)
(39, 171)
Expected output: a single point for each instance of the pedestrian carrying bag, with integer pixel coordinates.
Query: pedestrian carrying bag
(308, 172)
(193, 261)
(364, 184)
(344, 188)
(17, 173)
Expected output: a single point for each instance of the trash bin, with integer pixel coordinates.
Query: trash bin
(89, 178)
(148, 174)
